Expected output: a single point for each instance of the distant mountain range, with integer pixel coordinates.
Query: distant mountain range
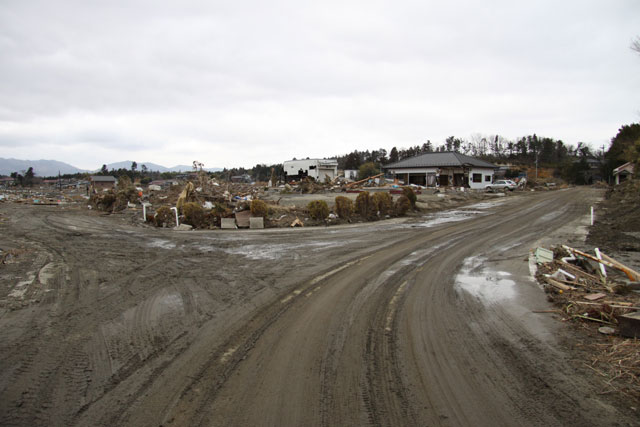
(53, 167)
(155, 167)
(40, 167)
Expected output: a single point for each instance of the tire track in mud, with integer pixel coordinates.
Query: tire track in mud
(192, 405)
(238, 353)
(381, 386)
(235, 351)
(59, 364)
(475, 376)
(339, 343)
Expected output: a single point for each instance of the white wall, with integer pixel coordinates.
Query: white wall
(483, 181)
(291, 167)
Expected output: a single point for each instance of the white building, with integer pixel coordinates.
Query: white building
(351, 174)
(318, 169)
(444, 169)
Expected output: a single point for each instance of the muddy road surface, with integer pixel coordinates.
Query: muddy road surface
(429, 322)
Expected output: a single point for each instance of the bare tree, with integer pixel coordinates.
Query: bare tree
(635, 44)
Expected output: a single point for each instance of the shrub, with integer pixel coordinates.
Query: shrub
(382, 202)
(259, 208)
(364, 207)
(344, 207)
(104, 201)
(124, 182)
(211, 219)
(318, 209)
(193, 214)
(164, 217)
(402, 205)
(408, 192)
(367, 169)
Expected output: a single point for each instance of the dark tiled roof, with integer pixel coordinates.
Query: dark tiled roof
(443, 159)
(99, 178)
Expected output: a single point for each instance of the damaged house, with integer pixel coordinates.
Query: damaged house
(622, 173)
(443, 169)
(102, 183)
(318, 169)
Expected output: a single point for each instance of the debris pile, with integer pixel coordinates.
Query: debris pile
(602, 296)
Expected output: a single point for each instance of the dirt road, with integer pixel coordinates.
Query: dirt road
(426, 323)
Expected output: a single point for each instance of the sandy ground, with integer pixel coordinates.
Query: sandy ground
(427, 322)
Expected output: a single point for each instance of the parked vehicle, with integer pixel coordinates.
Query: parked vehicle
(502, 185)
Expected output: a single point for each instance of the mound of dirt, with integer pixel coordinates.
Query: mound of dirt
(617, 227)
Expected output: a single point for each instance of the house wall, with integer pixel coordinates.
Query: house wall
(351, 174)
(314, 168)
(623, 172)
(448, 176)
(486, 178)
(418, 176)
(102, 185)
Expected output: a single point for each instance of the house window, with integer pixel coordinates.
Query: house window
(487, 178)
(477, 177)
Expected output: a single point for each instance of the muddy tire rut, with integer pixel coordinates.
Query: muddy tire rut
(370, 325)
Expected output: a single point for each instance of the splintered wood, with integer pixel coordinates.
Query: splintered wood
(603, 304)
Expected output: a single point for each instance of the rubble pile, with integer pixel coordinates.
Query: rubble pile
(601, 296)
(42, 196)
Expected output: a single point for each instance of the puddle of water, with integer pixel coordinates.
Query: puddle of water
(274, 251)
(488, 285)
(486, 205)
(162, 244)
(447, 217)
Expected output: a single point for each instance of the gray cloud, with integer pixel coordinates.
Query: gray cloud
(246, 82)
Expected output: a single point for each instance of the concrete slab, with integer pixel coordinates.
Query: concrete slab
(242, 219)
(183, 227)
(228, 223)
(257, 222)
(629, 325)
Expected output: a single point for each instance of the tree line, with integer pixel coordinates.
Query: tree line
(569, 160)
(493, 148)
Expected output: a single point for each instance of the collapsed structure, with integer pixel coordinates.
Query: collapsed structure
(318, 169)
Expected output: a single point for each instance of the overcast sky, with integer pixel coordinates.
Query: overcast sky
(237, 83)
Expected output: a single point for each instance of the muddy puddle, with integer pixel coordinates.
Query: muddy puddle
(487, 285)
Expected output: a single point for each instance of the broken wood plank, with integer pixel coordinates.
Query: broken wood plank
(558, 285)
(351, 184)
(621, 266)
(593, 297)
(600, 303)
(607, 263)
(579, 271)
(592, 319)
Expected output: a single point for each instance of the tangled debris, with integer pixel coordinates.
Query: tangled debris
(600, 295)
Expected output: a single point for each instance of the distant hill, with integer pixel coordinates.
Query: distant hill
(40, 167)
(52, 167)
(154, 167)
